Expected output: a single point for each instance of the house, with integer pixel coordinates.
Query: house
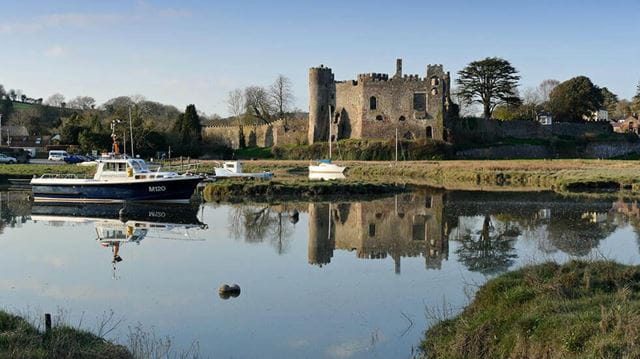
(629, 124)
(544, 118)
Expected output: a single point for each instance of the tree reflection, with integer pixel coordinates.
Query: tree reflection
(255, 224)
(490, 249)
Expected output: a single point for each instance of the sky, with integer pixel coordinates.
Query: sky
(196, 51)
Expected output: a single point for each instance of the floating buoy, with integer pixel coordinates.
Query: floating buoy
(226, 291)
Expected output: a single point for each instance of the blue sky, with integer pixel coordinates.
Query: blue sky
(182, 52)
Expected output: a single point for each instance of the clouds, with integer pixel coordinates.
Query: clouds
(141, 12)
(55, 51)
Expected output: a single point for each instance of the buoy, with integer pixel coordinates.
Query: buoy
(226, 291)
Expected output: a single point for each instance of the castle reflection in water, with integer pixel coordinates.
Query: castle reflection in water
(408, 225)
(484, 225)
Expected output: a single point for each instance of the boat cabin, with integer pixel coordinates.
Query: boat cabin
(126, 168)
(233, 166)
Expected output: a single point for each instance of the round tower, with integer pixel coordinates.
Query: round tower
(321, 100)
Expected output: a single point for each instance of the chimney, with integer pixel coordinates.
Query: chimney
(398, 68)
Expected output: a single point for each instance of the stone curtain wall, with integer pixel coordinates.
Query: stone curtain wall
(477, 129)
(281, 132)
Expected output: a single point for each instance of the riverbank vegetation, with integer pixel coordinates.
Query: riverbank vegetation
(256, 190)
(19, 339)
(576, 310)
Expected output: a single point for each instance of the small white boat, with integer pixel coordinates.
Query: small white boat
(325, 166)
(233, 169)
(326, 176)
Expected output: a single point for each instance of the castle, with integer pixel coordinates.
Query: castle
(375, 105)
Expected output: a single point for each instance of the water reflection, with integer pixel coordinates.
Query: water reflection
(326, 176)
(483, 228)
(120, 224)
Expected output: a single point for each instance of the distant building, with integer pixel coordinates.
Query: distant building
(600, 115)
(629, 124)
(544, 118)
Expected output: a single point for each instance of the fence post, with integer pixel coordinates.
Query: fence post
(47, 322)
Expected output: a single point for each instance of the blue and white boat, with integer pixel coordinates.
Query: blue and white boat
(117, 179)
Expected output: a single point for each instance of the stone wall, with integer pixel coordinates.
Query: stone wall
(281, 132)
(375, 105)
(477, 129)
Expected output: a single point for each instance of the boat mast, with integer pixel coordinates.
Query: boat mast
(330, 133)
(131, 132)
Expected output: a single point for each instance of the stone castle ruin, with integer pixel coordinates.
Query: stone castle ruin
(374, 105)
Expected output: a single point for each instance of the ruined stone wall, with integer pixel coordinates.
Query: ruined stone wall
(395, 109)
(281, 132)
(222, 135)
(349, 110)
(291, 132)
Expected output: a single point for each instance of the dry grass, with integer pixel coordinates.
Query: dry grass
(576, 310)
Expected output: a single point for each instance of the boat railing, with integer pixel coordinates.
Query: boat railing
(65, 176)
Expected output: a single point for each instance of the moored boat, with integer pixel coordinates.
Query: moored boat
(231, 169)
(325, 166)
(117, 179)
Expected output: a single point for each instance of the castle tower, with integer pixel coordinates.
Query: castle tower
(322, 99)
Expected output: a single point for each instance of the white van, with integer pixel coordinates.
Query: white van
(58, 155)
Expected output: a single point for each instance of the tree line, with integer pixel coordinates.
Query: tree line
(82, 123)
(493, 84)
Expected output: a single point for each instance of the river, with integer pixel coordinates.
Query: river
(318, 280)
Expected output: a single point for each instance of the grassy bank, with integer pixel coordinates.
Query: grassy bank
(558, 175)
(19, 339)
(239, 190)
(30, 170)
(576, 310)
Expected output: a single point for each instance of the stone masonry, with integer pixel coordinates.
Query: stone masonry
(375, 105)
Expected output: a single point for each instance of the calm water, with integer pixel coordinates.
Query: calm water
(334, 280)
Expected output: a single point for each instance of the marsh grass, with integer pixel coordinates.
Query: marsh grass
(576, 310)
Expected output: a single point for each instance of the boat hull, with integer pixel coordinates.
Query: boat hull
(326, 169)
(177, 190)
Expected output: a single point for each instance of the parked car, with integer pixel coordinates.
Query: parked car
(7, 159)
(57, 155)
(73, 159)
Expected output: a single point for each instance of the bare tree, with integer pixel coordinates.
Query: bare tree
(281, 94)
(259, 103)
(82, 103)
(236, 104)
(531, 96)
(545, 88)
(55, 100)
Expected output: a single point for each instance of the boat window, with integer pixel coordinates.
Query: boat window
(136, 166)
(122, 167)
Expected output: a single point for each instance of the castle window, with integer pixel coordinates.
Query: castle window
(420, 101)
(372, 230)
(401, 118)
(434, 91)
(373, 103)
(428, 202)
(435, 81)
(429, 132)
(379, 118)
(418, 232)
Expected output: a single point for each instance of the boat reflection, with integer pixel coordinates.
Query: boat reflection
(118, 224)
(320, 176)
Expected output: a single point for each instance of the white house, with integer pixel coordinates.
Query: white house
(544, 118)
